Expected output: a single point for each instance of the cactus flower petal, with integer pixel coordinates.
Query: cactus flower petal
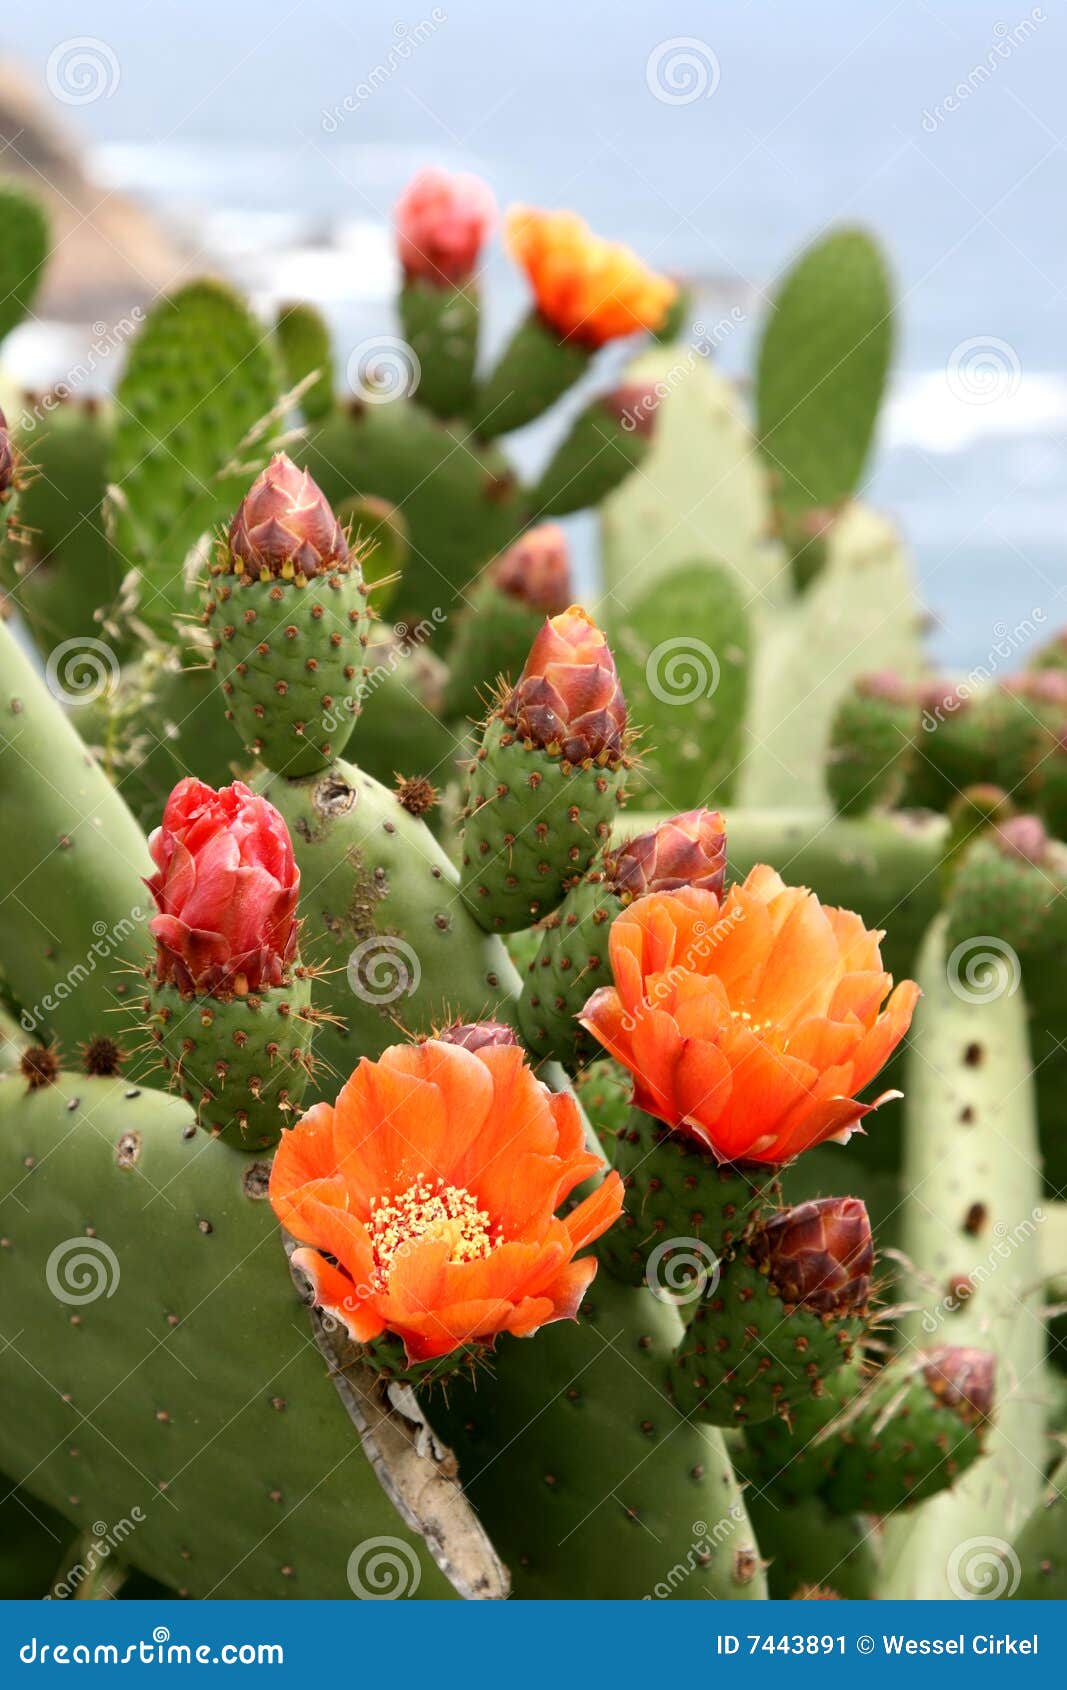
(226, 886)
(588, 290)
(752, 1025)
(426, 1198)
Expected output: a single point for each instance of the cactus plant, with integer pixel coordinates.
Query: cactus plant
(576, 1324)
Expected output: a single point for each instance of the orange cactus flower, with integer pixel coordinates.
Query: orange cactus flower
(426, 1197)
(751, 1025)
(589, 290)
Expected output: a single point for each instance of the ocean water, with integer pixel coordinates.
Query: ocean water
(715, 139)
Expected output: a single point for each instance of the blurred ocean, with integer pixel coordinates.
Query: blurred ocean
(282, 134)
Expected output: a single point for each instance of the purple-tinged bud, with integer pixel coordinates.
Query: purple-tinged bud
(476, 1035)
(963, 1380)
(688, 850)
(819, 1255)
(284, 526)
(568, 698)
(1024, 837)
(536, 570)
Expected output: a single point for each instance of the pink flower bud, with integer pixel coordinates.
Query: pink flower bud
(284, 526)
(226, 885)
(442, 222)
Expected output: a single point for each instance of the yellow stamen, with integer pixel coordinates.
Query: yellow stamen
(435, 1211)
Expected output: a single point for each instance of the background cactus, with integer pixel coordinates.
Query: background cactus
(582, 1470)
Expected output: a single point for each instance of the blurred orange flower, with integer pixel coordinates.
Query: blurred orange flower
(427, 1197)
(588, 289)
(750, 1025)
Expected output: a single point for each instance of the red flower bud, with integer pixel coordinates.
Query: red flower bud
(284, 526)
(226, 885)
(963, 1380)
(885, 684)
(476, 1035)
(820, 1254)
(7, 457)
(568, 696)
(442, 221)
(688, 850)
(537, 570)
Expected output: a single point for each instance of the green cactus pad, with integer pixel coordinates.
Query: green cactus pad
(243, 1062)
(823, 361)
(603, 1090)
(808, 1548)
(1040, 1550)
(401, 730)
(571, 962)
(997, 736)
(385, 929)
(379, 531)
(787, 1458)
(291, 662)
(595, 456)
(994, 895)
(532, 825)
(683, 653)
(187, 1396)
(24, 240)
(899, 1444)
(440, 324)
(492, 641)
(533, 371)
(78, 926)
(676, 1196)
(304, 343)
(747, 1354)
(461, 500)
(161, 722)
(200, 377)
(588, 1483)
(872, 741)
(66, 569)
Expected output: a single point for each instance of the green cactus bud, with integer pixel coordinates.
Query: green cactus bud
(494, 634)
(572, 960)
(919, 1425)
(787, 1311)
(681, 1205)
(791, 1459)
(546, 779)
(287, 614)
(872, 740)
(378, 531)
